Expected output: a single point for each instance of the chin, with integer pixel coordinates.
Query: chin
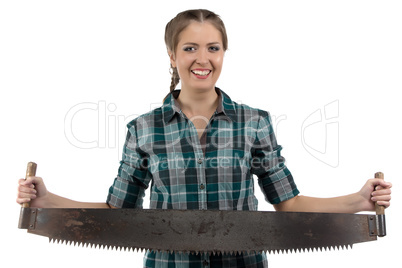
(204, 85)
(204, 88)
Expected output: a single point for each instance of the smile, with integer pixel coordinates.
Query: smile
(201, 73)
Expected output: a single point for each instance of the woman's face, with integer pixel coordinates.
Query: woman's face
(199, 56)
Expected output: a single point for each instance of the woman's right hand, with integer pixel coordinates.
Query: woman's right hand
(32, 190)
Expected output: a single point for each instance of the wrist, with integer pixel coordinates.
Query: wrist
(47, 201)
(360, 203)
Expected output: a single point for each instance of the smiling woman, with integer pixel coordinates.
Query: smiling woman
(178, 27)
(199, 57)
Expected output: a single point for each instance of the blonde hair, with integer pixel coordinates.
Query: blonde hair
(179, 23)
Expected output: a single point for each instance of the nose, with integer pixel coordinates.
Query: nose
(202, 57)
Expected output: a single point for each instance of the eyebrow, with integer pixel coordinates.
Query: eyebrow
(195, 44)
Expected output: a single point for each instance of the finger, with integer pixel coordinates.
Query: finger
(26, 182)
(31, 181)
(26, 195)
(389, 185)
(386, 204)
(385, 191)
(382, 183)
(25, 198)
(381, 198)
(26, 189)
(21, 200)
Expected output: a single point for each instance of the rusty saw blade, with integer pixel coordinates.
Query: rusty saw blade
(204, 231)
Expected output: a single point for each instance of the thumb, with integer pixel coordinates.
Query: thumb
(31, 181)
(381, 184)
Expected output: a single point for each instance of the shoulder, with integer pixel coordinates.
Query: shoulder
(243, 112)
(147, 120)
(251, 110)
(240, 109)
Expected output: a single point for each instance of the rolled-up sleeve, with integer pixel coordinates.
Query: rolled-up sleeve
(274, 178)
(128, 189)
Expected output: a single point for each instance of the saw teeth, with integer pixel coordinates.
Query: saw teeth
(206, 252)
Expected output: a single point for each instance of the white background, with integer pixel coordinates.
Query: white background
(291, 58)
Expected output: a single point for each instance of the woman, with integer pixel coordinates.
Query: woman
(200, 150)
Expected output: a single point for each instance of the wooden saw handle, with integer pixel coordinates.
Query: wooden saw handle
(380, 210)
(31, 171)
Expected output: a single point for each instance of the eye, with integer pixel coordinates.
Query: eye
(214, 48)
(189, 49)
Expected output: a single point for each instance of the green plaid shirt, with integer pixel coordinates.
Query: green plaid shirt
(215, 172)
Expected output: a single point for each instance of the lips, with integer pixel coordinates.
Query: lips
(201, 73)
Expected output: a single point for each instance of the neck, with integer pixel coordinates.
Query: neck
(198, 102)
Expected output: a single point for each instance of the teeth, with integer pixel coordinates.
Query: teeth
(202, 73)
(212, 252)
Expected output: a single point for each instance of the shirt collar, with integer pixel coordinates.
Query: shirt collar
(171, 106)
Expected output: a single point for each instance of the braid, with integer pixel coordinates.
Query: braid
(175, 79)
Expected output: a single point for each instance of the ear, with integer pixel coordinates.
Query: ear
(172, 59)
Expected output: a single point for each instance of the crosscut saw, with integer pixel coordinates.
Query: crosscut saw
(202, 231)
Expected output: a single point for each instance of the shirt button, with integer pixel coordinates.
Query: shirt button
(199, 161)
(202, 186)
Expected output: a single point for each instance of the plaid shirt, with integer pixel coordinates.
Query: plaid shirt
(215, 172)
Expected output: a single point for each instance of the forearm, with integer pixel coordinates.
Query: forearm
(342, 204)
(55, 201)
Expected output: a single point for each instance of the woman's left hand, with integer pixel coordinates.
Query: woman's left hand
(375, 190)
